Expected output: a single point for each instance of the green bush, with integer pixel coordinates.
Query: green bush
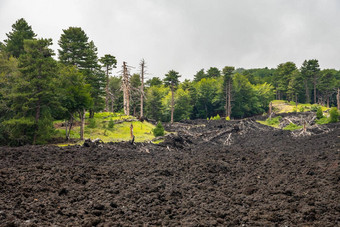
(217, 117)
(292, 127)
(315, 108)
(227, 118)
(92, 123)
(333, 115)
(301, 109)
(274, 121)
(319, 113)
(322, 121)
(111, 124)
(159, 130)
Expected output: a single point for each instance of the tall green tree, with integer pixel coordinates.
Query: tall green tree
(14, 44)
(199, 75)
(33, 94)
(95, 77)
(327, 86)
(76, 50)
(213, 72)
(135, 83)
(294, 85)
(154, 81)
(73, 47)
(283, 74)
(153, 102)
(74, 96)
(116, 95)
(310, 70)
(172, 79)
(109, 62)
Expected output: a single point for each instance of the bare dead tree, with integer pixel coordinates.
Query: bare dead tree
(142, 65)
(126, 88)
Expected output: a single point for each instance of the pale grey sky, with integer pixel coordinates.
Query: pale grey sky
(187, 35)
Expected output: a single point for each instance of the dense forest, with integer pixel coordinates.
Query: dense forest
(38, 87)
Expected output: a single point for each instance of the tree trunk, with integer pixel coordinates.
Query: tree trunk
(226, 99)
(307, 91)
(66, 130)
(142, 90)
(126, 90)
(327, 101)
(82, 123)
(229, 99)
(314, 83)
(338, 99)
(107, 90)
(172, 104)
(70, 127)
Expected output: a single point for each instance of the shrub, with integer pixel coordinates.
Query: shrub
(314, 108)
(274, 121)
(301, 109)
(292, 127)
(217, 117)
(227, 118)
(111, 124)
(319, 113)
(159, 130)
(294, 110)
(92, 123)
(333, 115)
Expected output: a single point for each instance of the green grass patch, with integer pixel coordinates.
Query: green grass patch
(99, 127)
(322, 121)
(292, 127)
(273, 122)
(282, 106)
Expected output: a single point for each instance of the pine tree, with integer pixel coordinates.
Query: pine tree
(171, 79)
(14, 44)
(109, 62)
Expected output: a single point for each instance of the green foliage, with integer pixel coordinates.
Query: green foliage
(292, 127)
(315, 108)
(159, 130)
(333, 115)
(302, 109)
(92, 123)
(319, 113)
(274, 122)
(199, 75)
(15, 39)
(154, 81)
(227, 118)
(217, 117)
(111, 124)
(213, 72)
(19, 131)
(322, 121)
(183, 106)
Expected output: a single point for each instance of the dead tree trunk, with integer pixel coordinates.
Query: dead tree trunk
(142, 88)
(126, 89)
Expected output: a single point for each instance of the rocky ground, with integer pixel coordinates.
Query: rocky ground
(218, 173)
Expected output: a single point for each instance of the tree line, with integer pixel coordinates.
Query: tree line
(36, 88)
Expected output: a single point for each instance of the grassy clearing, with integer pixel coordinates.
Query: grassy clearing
(98, 127)
(282, 106)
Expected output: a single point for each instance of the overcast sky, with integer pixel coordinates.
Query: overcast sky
(188, 35)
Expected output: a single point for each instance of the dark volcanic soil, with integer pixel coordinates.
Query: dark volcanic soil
(236, 173)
